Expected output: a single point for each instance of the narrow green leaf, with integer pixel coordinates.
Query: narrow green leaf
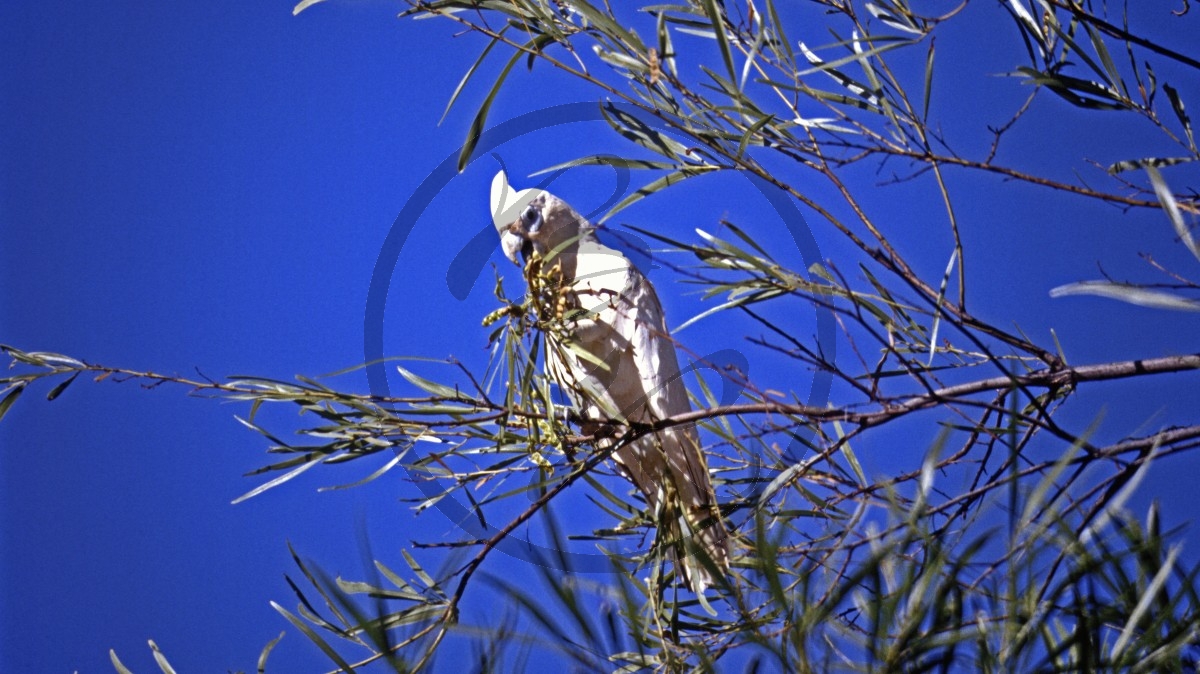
(117, 664)
(710, 399)
(393, 577)
(851, 457)
(1075, 91)
(1153, 80)
(749, 298)
(319, 586)
(1181, 113)
(666, 48)
(1110, 69)
(607, 24)
(897, 21)
(55, 360)
(301, 457)
(629, 126)
(582, 352)
(303, 5)
(382, 469)
(928, 81)
(746, 237)
(276, 482)
(62, 386)
(266, 651)
(834, 97)
(751, 56)
(417, 614)
(725, 254)
(427, 385)
(864, 62)
(1131, 164)
(12, 393)
(1171, 207)
(659, 237)
(717, 16)
(777, 27)
(259, 429)
(937, 316)
(425, 577)
(1030, 24)
(1067, 36)
(729, 88)
(1114, 506)
(750, 131)
(824, 124)
(161, 659)
(609, 160)
(480, 121)
(1145, 600)
(724, 306)
(656, 186)
(619, 60)
(783, 479)
(359, 587)
(314, 637)
(830, 68)
(618, 503)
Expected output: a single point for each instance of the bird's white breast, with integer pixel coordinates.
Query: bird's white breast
(601, 277)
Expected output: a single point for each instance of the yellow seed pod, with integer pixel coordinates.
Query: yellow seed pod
(494, 316)
(506, 310)
(541, 461)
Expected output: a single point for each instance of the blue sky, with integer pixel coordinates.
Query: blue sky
(207, 186)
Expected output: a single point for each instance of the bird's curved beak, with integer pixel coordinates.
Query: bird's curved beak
(512, 244)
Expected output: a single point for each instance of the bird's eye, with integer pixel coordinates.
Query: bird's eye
(531, 217)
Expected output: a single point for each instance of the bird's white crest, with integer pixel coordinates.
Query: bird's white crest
(508, 203)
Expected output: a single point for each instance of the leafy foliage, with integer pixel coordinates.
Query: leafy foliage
(1027, 561)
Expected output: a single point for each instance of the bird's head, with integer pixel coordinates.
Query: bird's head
(533, 220)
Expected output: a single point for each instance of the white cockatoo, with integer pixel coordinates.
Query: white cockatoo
(614, 357)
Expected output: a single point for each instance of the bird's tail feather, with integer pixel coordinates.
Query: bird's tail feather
(698, 544)
(706, 546)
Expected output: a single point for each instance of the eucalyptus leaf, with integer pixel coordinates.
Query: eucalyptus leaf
(898, 21)
(609, 160)
(160, 659)
(428, 385)
(1131, 294)
(479, 123)
(117, 664)
(314, 637)
(10, 396)
(303, 5)
(1132, 164)
(655, 186)
(1180, 113)
(628, 125)
(1171, 208)
(276, 482)
(266, 652)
